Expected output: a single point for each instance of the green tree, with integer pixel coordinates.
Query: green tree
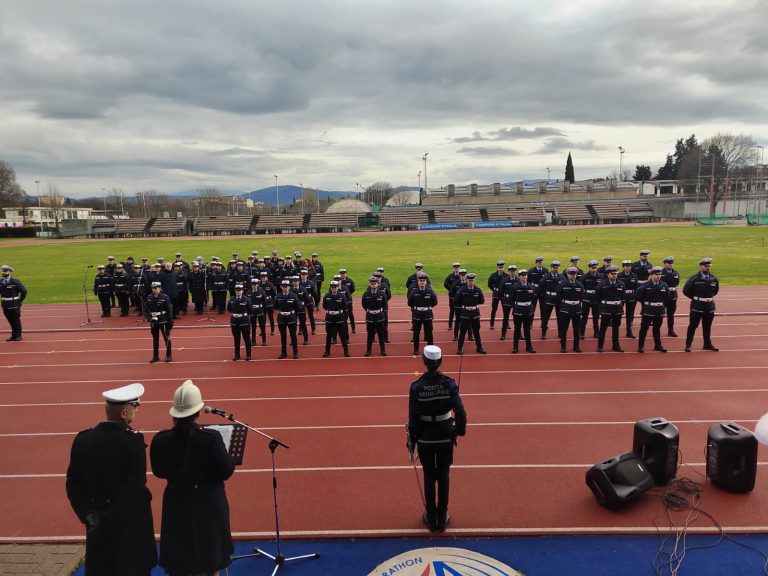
(642, 172)
(569, 174)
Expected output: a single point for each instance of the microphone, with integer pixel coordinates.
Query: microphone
(212, 410)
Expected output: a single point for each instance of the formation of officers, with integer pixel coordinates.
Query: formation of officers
(288, 291)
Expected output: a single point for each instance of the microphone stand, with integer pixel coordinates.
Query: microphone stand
(88, 320)
(279, 559)
(208, 317)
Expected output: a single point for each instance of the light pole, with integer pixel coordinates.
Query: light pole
(39, 204)
(621, 162)
(277, 195)
(426, 187)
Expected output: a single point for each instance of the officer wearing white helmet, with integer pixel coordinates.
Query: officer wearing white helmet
(436, 416)
(195, 536)
(107, 488)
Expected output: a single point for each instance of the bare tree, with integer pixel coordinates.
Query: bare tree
(378, 193)
(209, 201)
(10, 191)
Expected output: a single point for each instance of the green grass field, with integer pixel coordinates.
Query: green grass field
(53, 270)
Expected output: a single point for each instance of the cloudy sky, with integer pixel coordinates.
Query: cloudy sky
(178, 94)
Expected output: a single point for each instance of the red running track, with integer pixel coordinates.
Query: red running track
(537, 423)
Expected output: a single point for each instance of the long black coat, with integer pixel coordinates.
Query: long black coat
(195, 535)
(107, 476)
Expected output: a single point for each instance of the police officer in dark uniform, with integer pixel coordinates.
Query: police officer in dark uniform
(494, 284)
(374, 302)
(436, 416)
(240, 310)
(447, 284)
(271, 291)
(590, 303)
(158, 310)
(12, 294)
(672, 278)
(611, 296)
(103, 290)
(287, 306)
(467, 301)
(653, 297)
(535, 275)
(523, 300)
(421, 299)
(336, 306)
(258, 300)
(548, 295)
(702, 288)
(107, 489)
(569, 295)
(629, 279)
(195, 536)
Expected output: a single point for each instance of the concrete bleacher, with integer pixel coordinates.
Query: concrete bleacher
(335, 222)
(572, 214)
(525, 215)
(458, 215)
(402, 218)
(167, 226)
(279, 223)
(222, 225)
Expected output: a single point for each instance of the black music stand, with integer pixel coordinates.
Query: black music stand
(278, 558)
(88, 320)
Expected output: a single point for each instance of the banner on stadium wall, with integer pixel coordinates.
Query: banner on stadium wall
(496, 224)
(439, 226)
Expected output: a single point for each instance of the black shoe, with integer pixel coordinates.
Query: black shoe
(442, 524)
(672, 334)
(617, 349)
(712, 348)
(530, 349)
(659, 348)
(481, 351)
(428, 523)
(282, 355)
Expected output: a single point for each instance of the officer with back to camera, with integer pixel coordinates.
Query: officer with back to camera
(702, 288)
(436, 416)
(13, 293)
(107, 489)
(158, 311)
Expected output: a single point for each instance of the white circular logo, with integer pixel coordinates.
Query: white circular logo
(443, 562)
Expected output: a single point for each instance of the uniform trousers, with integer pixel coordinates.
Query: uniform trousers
(436, 460)
(647, 321)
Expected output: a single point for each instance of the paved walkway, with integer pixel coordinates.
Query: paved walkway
(40, 559)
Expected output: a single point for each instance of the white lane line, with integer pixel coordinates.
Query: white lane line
(410, 374)
(650, 392)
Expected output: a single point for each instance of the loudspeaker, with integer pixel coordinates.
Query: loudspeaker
(731, 457)
(619, 480)
(656, 441)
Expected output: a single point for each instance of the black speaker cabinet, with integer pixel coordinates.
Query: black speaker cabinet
(619, 480)
(731, 457)
(656, 441)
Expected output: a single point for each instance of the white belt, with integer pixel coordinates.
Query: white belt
(589, 291)
(612, 302)
(422, 308)
(374, 311)
(655, 303)
(438, 418)
(523, 303)
(703, 299)
(238, 315)
(572, 302)
(469, 307)
(13, 298)
(285, 313)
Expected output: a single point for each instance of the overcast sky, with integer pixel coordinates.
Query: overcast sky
(179, 94)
